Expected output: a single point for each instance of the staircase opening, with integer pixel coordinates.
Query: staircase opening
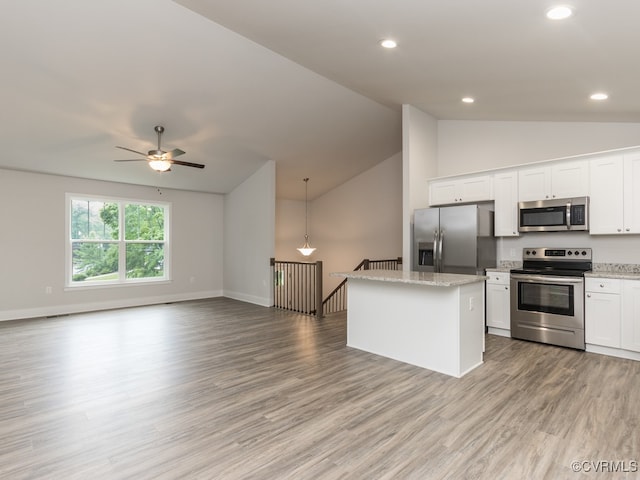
(297, 286)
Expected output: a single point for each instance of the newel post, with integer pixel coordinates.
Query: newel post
(319, 306)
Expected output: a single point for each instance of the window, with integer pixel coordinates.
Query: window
(115, 241)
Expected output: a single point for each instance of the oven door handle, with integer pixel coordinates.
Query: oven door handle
(546, 279)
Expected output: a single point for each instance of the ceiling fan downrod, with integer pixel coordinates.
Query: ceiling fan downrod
(158, 153)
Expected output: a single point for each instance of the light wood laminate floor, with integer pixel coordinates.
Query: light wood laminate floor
(220, 389)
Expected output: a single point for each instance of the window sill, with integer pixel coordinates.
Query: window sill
(132, 283)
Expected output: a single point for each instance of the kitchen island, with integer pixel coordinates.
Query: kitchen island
(432, 320)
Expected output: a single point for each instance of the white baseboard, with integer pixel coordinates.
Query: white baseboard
(262, 301)
(500, 332)
(613, 352)
(53, 310)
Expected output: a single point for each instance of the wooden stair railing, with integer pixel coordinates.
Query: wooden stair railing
(336, 301)
(298, 286)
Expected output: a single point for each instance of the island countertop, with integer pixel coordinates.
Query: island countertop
(414, 278)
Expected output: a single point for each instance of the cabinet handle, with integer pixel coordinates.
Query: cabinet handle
(601, 286)
(619, 229)
(506, 288)
(588, 295)
(627, 229)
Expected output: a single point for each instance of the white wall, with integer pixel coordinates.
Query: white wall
(361, 218)
(471, 146)
(32, 246)
(419, 163)
(290, 230)
(249, 238)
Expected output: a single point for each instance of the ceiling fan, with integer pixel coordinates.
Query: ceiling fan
(160, 160)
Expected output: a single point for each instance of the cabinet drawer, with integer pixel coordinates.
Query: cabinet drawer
(500, 278)
(603, 285)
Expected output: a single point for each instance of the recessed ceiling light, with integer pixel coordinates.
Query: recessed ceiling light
(599, 96)
(388, 43)
(468, 100)
(559, 13)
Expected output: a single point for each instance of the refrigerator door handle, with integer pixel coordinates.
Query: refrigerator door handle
(435, 250)
(440, 253)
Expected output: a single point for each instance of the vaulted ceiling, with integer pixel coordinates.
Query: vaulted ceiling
(302, 83)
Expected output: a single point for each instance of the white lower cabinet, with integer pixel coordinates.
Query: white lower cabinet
(631, 315)
(612, 316)
(498, 303)
(603, 312)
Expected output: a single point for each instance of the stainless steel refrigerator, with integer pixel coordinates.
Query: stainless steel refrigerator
(457, 239)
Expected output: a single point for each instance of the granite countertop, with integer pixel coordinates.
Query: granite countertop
(414, 278)
(615, 270)
(499, 269)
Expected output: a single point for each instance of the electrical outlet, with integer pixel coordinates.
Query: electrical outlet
(48, 290)
(472, 303)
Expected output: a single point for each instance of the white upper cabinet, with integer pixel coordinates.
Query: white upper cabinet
(461, 190)
(632, 193)
(561, 180)
(615, 194)
(570, 179)
(505, 192)
(606, 213)
(534, 183)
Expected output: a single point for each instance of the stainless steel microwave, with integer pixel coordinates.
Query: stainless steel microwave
(555, 215)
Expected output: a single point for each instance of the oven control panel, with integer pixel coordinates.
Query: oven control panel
(564, 254)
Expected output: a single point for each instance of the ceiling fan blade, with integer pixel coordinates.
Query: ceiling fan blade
(130, 150)
(187, 164)
(132, 160)
(175, 153)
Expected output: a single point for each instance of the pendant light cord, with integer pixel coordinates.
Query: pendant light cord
(306, 207)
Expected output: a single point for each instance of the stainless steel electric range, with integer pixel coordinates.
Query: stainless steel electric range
(547, 296)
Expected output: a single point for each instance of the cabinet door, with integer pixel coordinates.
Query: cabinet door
(602, 319)
(505, 190)
(632, 193)
(443, 192)
(630, 339)
(475, 189)
(498, 307)
(534, 184)
(462, 190)
(570, 179)
(606, 197)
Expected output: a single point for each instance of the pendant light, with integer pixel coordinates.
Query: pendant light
(306, 249)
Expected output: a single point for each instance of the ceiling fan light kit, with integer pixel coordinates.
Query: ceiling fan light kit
(160, 160)
(160, 165)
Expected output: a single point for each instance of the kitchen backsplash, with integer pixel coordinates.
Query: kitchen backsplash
(607, 249)
(597, 267)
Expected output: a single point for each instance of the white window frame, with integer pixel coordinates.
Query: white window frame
(122, 280)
